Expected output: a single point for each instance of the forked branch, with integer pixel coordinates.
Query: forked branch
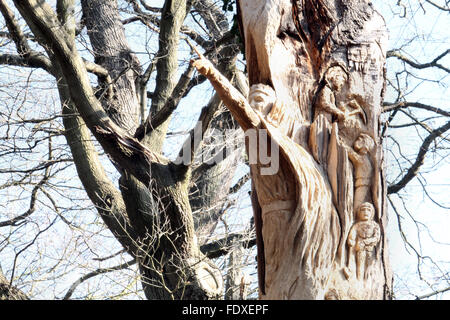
(415, 167)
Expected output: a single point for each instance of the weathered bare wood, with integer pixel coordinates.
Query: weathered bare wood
(316, 71)
(169, 257)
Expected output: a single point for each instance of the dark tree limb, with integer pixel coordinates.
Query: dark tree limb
(16, 220)
(415, 167)
(15, 32)
(390, 106)
(94, 273)
(433, 63)
(443, 8)
(37, 61)
(221, 247)
(169, 107)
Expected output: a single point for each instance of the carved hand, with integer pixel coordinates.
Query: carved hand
(203, 66)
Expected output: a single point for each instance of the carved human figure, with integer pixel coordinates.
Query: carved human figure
(363, 237)
(276, 192)
(360, 156)
(335, 79)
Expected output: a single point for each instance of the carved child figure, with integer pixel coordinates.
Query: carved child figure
(363, 237)
(363, 168)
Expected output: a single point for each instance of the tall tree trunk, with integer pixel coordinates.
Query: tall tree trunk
(316, 71)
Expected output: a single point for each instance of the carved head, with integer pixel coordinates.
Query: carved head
(261, 97)
(364, 143)
(365, 212)
(336, 77)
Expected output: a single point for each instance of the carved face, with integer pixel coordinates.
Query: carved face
(336, 77)
(363, 144)
(365, 212)
(261, 98)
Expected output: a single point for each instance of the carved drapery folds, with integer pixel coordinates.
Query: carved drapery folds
(316, 71)
(325, 62)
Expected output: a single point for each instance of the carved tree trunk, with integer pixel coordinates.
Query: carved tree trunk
(316, 71)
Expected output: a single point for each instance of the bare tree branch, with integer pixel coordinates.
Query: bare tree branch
(221, 247)
(37, 61)
(390, 106)
(96, 273)
(443, 8)
(414, 169)
(238, 185)
(433, 63)
(14, 221)
(15, 32)
(169, 107)
(429, 295)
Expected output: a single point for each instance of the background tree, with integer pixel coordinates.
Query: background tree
(131, 238)
(316, 71)
(416, 139)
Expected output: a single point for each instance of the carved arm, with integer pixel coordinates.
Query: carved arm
(352, 155)
(231, 97)
(372, 241)
(326, 103)
(352, 237)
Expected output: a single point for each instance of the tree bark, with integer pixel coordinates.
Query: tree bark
(173, 15)
(9, 292)
(316, 71)
(111, 51)
(151, 217)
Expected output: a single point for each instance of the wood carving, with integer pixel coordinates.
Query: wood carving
(316, 71)
(362, 239)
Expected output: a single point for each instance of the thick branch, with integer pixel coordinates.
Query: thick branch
(35, 61)
(96, 273)
(112, 51)
(434, 63)
(66, 10)
(15, 32)
(222, 247)
(173, 15)
(215, 20)
(26, 57)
